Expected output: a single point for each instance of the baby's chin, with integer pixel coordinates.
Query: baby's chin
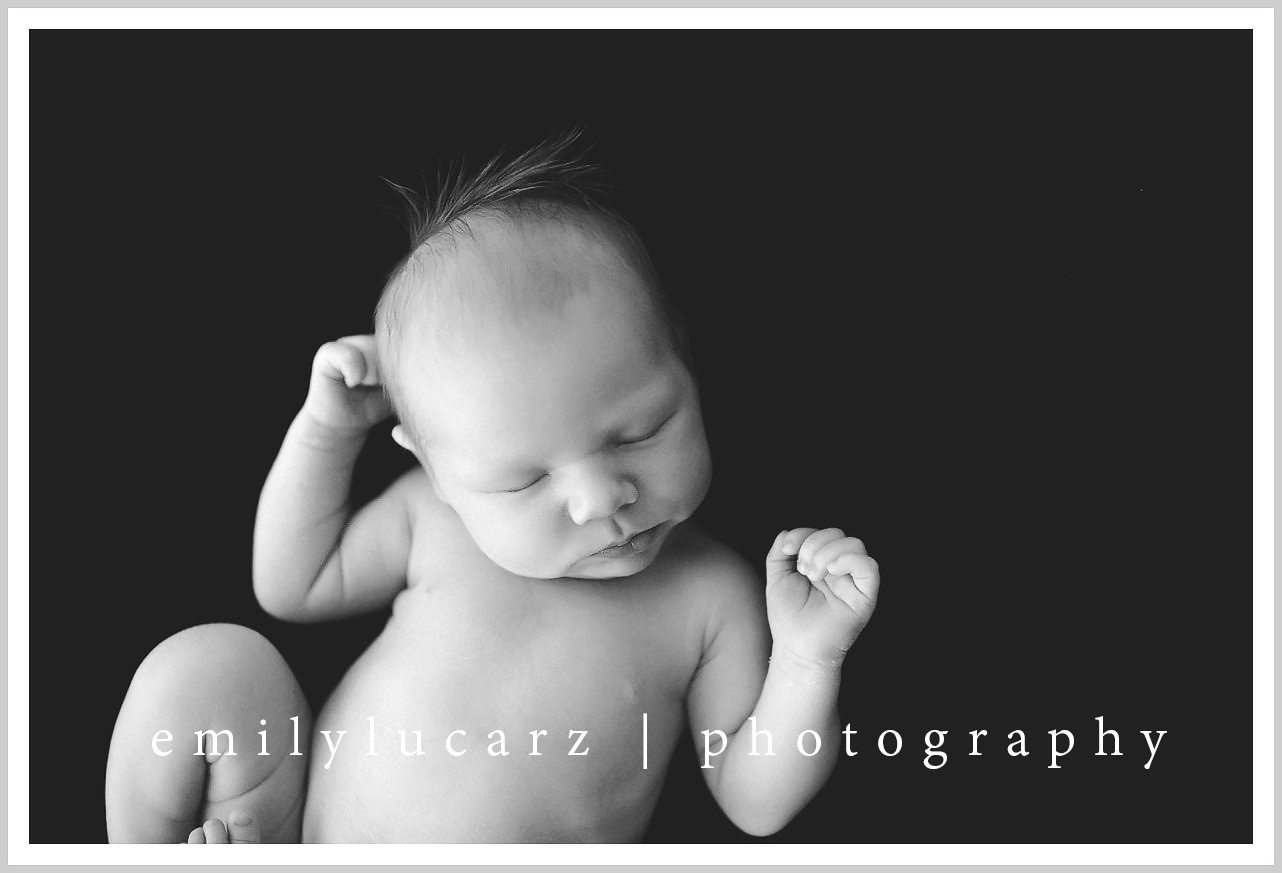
(594, 568)
(608, 570)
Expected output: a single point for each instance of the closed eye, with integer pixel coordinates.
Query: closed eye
(651, 435)
(527, 486)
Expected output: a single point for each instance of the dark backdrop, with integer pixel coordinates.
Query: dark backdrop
(980, 298)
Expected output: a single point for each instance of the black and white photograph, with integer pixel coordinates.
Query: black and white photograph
(652, 436)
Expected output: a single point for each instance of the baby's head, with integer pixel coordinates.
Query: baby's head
(540, 376)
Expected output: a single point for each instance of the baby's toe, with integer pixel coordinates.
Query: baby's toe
(215, 831)
(243, 828)
(197, 836)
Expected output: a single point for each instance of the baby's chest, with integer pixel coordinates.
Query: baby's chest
(520, 654)
(515, 694)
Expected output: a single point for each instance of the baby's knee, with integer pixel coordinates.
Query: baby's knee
(213, 677)
(212, 661)
(220, 648)
(192, 732)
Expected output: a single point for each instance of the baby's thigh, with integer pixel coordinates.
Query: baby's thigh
(209, 726)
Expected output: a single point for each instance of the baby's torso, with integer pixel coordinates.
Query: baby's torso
(477, 663)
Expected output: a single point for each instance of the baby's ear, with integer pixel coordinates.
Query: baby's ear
(403, 439)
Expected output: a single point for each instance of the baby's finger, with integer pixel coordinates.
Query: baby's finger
(831, 551)
(368, 348)
(844, 589)
(339, 362)
(806, 555)
(790, 541)
(215, 832)
(196, 837)
(781, 561)
(862, 570)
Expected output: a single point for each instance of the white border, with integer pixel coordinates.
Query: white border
(22, 20)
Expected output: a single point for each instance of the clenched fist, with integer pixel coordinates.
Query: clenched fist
(346, 391)
(821, 588)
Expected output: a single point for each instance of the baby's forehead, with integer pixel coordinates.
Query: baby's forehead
(589, 358)
(535, 397)
(498, 271)
(531, 260)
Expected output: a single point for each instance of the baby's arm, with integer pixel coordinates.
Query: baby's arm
(313, 558)
(814, 616)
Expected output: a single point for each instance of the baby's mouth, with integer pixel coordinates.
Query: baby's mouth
(635, 545)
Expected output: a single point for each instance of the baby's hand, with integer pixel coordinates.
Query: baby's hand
(346, 392)
(821, 588)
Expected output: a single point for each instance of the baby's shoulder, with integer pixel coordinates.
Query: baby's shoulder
(414, 489)
(413, 494)
(716, 579)
(412, 482)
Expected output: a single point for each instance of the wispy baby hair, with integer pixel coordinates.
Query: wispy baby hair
(552, 181)
(552, 171)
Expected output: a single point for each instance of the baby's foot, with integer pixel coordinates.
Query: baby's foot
(239, 828)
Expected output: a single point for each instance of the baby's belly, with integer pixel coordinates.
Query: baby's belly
(470, 720)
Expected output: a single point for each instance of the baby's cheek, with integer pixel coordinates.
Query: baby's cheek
(688, 474)
(521, 542)
(699, 476)
(487, 528)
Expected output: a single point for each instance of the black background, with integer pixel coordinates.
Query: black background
(979, 298)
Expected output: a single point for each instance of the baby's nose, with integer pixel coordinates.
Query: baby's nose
(600, 495)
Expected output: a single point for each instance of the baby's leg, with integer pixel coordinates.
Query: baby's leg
(219, 677)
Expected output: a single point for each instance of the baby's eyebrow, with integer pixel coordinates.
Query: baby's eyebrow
(496, 475)
(653, 403)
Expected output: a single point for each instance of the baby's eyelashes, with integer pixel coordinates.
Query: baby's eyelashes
(649, 435)
(527, 486)
(641, 439)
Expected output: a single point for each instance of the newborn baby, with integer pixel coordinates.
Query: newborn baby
(556, 619)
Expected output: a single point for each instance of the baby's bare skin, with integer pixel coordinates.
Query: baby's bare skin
(240, 827)
(480, 650)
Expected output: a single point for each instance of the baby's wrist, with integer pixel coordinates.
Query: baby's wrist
(318, 433)
(806, 668)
